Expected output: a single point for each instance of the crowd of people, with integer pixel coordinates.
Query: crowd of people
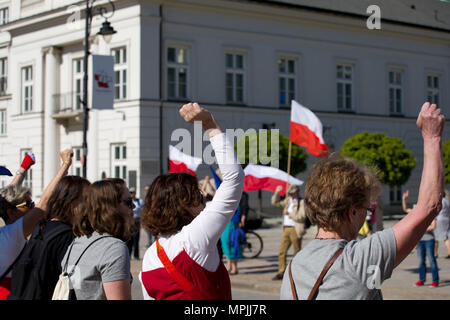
(87, 232)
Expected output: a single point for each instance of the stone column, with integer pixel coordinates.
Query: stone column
(51, 158)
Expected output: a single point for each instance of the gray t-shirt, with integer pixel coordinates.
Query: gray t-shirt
(106, 260)
(356, 274)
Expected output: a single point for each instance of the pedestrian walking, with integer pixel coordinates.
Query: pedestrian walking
(37, 270)
(425, 248)
(184, 262)
(442, 230)
(338, 193)
(133, 243)
(294, 228)
(98, 258)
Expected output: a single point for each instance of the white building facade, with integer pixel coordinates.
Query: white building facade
(242, 60)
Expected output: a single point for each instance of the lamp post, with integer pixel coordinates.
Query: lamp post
(106, 31)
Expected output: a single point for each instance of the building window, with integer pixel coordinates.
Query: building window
(395, 194)
(396, 91)
(3, 76)
(119, 161)
(344, 79)
(27, 89)
(120, 73)
(76, 161)
(78, 83)
(4, 16)
(28, 179)
(235, 82)
(177, 73)
(2, 122)
(433, 89)
(286, 81)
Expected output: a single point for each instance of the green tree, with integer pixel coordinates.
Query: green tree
(446, 152)
(252, 151)
(387, 155)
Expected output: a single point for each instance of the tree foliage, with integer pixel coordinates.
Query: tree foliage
(446, 152)
(393, 163)
(252, 151)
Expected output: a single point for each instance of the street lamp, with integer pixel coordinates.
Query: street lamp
(106, 31)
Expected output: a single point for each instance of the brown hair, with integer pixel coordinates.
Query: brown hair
(101, 212)
(168, 203)
(334, 186)
(66, 199)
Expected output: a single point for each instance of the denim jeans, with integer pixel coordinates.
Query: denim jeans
(427, 248)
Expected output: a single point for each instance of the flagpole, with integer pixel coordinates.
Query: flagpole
(289, 165)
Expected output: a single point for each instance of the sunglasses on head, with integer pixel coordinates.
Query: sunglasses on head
(128, 202)
(27, 204)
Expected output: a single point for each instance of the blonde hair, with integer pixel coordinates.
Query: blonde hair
(334, 186)
(15, 194)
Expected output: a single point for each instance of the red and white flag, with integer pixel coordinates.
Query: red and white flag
(181, 162)
(306, 130)
(259, 177)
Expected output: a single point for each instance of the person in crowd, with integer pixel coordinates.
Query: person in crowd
(133, 243)
(184, 262)
(293, 229)
(442, 230)
(37, 270)
(102, 229)
(425, 247)
(149, 235)
(21, 216)
(338, 192)
(208, 188)
(230, 243)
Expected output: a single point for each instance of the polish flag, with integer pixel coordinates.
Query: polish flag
(306, 130)
(181, 162)
(259, 177)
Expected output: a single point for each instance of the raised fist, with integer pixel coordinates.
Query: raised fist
(66, 156)
(192, 112)
(430, 121)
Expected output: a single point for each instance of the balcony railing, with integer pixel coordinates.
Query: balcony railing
(3, 86)
(67, 105)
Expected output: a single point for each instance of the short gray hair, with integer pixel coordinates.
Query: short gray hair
(15, 194)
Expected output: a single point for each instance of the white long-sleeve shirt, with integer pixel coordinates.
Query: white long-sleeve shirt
(199, 238)
(12, 242)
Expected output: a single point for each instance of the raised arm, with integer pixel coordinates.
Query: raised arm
(27, 162)
(35, 214)
(404, 205)
(276, 200)
(411, 228)
(211, 222)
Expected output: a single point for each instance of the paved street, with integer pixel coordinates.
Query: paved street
(254, 281)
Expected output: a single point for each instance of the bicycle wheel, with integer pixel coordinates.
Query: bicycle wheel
(254, 245)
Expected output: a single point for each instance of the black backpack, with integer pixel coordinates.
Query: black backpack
(32, 265)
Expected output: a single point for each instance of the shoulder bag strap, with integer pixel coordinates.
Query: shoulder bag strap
(176, 275)
(294, 291)
(313, 293)
(79, 258)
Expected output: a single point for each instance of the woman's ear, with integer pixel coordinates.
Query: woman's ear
(351, 214)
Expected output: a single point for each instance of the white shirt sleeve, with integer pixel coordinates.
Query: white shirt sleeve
(205, 230)
(12, 242)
